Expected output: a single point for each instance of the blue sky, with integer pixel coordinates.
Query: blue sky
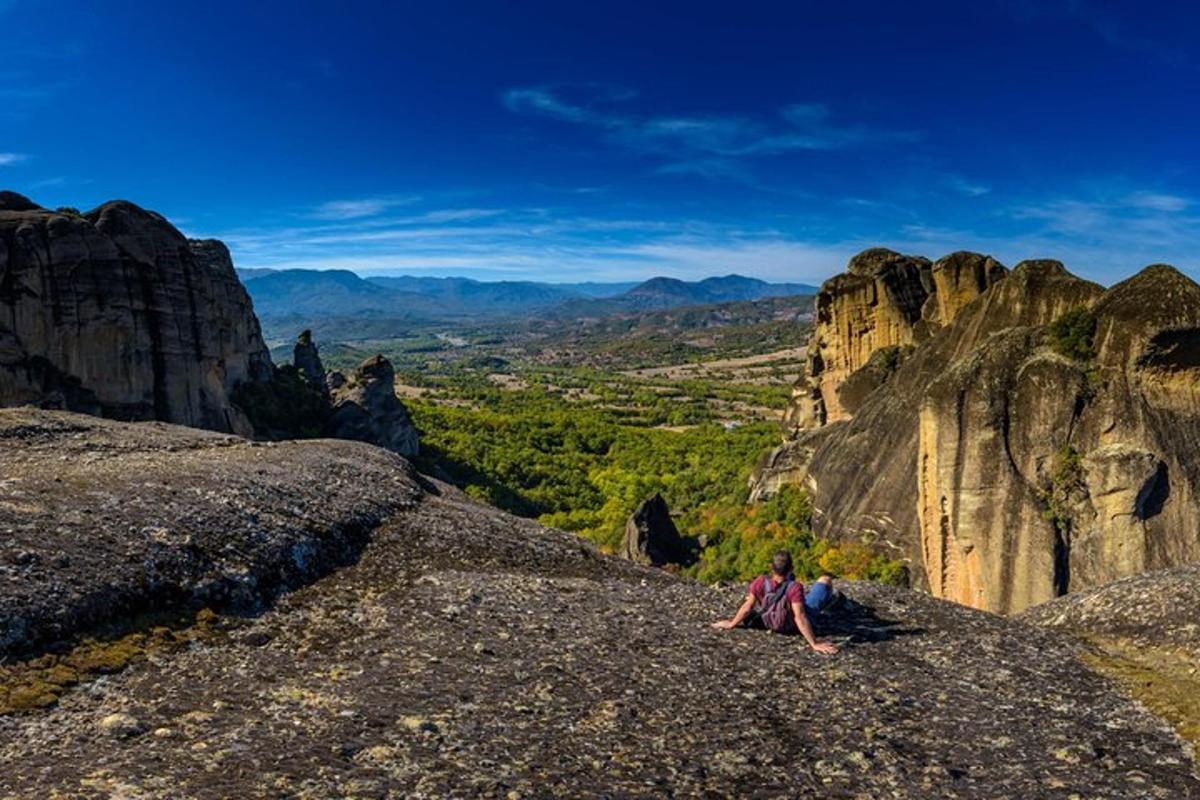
(593, 141)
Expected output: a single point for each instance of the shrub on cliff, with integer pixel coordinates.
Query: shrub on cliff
(1072, 334)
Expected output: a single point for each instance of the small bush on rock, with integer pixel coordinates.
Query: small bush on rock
(1072, 334)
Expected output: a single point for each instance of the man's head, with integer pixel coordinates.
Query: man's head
(781, 563)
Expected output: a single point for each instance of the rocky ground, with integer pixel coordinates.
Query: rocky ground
(101, 519)
(1142, 632)
(1155, 608)
(468, 653)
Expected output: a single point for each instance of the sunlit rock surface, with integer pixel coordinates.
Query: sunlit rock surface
(114, 312)
(455, 650)
(1005, 472)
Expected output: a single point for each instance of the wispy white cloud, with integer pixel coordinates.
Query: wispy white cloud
(1102, 235)
(700, 144)
(534, 243)
(8, 159)
(363, 207)
(1143, 211)
(967, 187)
(1104, 232)
(1157, 201)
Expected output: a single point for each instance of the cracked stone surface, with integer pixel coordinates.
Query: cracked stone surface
(466, 653)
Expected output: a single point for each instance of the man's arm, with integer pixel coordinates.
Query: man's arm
(828, 648)
(739, 617)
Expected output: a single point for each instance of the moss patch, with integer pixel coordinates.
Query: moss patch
(38, 683)
(1165, 680)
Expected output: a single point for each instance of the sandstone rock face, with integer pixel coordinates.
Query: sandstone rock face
(366, 409)
(884, 300)
(1008, 474)
(651, 536)
(957, 280)
(116, 313)
(876, 303)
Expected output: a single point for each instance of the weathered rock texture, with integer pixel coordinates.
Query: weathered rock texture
(101, 518)
(116, 313)
(365, 408)
(652, 538)
(1007, 473)
(469, 653)
(307, 360)
(883, 301)
(1156, 608)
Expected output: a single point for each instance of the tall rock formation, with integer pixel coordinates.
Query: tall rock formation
(884, 302)
(116, 313)
(365, 408)
(1009, 466)
(307, 360)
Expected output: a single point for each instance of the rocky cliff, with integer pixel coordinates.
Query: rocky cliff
(364, 407)
(884, 301)
(115, 312)
(1011, 457)
(454, 650)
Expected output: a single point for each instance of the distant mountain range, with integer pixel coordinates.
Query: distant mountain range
(333, 292)
(501, 294)
(297, 296)
(673, 293)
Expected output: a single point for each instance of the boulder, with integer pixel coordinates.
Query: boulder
(114, 312)
(121, 726)
(652, 538)
(365, 408)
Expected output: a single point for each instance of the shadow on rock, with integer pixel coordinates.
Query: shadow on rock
(857, 623)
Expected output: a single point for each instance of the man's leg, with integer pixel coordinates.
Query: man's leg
(818, 595)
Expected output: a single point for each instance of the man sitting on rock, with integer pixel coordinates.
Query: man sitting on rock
(778, 602)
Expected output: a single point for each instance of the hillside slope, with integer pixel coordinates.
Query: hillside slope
(465, 652)
(307, 293)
